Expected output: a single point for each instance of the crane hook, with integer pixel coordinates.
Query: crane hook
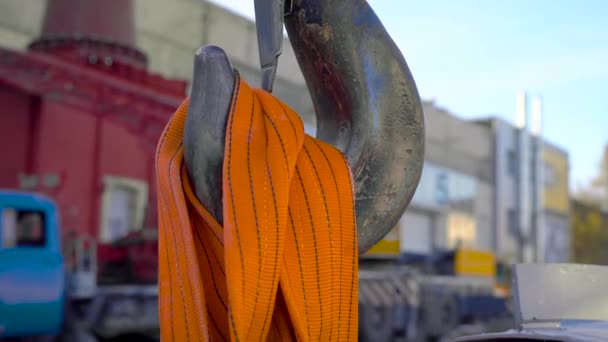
(364, 96)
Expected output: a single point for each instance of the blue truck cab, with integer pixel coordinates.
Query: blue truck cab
(32, 271)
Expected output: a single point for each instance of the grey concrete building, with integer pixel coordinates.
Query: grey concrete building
(531, 214)
(491, 185)
(556, 234)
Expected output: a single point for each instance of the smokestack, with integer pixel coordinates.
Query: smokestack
(105, 29)
(538, 189)
(524, 194)
(537, 115)
(520, 110)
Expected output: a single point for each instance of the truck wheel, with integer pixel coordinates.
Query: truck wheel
(375, 323)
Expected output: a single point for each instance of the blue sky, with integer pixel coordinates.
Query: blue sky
(472, 57)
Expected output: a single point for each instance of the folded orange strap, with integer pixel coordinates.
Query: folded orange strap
(284, 265)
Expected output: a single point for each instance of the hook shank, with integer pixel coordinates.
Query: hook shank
(367, 105)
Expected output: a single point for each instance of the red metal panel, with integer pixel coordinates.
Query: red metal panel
(80, 107)
(66, 145)
(122, 153)
(43, 74)
(71, 144)
(14, 135)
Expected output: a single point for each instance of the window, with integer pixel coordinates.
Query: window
(22, 228)
(443, 195)
(513, 222)
(123, 207)
(549, 175)
(462, 230)
(512, 163)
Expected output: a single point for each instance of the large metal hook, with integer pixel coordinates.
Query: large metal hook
(364, 96)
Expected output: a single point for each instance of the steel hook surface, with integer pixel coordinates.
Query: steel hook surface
(364, 95)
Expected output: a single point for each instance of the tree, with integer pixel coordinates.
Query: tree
(590, 218)
(589, 234)
(601, 180)
(596, 192)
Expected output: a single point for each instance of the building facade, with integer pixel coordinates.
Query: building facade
(557, 233)
(531, 212)
(487, 184)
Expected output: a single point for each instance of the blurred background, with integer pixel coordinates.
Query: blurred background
(516, 164)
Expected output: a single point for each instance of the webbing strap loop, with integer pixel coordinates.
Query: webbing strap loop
(284, 265)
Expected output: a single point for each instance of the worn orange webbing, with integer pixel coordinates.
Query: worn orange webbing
(284, 266)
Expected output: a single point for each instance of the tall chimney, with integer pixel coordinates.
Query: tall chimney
(104, 29)
(537, 113)
(521, 115)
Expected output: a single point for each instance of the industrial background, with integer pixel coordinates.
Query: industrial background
(86, 88)
(473, 172)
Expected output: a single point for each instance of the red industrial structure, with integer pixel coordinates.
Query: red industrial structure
(79, 121)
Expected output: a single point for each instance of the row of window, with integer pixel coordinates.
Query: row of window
(549, 176)
(440, 186)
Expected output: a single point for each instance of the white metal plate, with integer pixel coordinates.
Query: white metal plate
(557, 292)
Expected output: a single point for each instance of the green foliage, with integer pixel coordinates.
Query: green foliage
(596, 192)
(589, 234)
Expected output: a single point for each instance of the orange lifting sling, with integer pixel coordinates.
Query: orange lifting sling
(284, 265)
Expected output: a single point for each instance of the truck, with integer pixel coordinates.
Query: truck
(413, 297)
(49, 288)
